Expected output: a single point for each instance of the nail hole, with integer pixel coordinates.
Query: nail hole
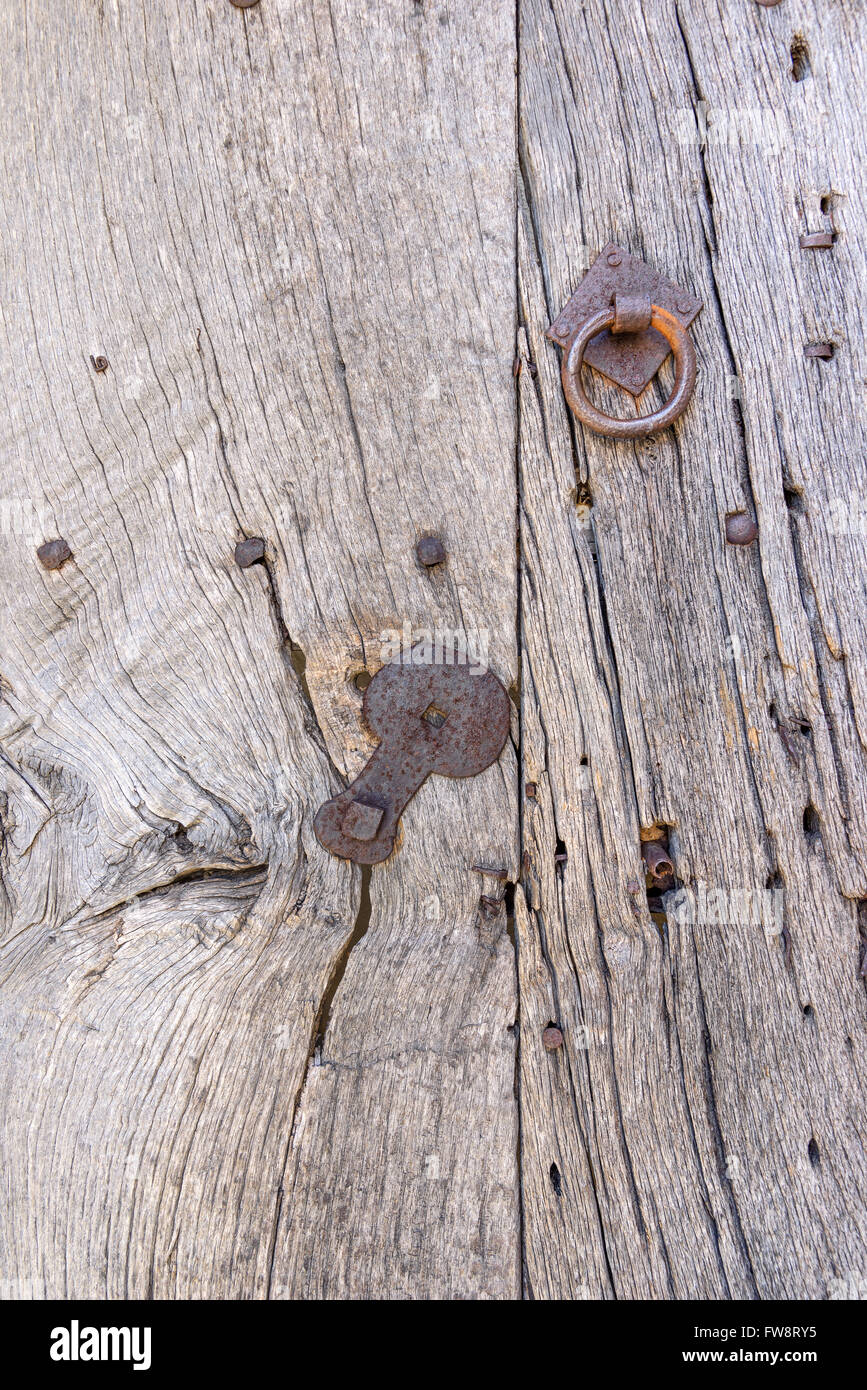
(812, 824)
(583, 500)
(298, 658)
(800, 55)
(361, 680)
(556, 1180)
(179, 835)
(813, 1153)
(583, 761)
(793, 498)
(560, 853)
(808, 1011)
(434, 716)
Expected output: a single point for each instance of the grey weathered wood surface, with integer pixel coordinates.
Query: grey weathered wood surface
(310, 241)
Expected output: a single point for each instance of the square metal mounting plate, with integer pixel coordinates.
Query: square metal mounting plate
(630, 360)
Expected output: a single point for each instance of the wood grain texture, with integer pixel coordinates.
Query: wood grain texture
(289, 233)
(718, 1086)
(305, 236)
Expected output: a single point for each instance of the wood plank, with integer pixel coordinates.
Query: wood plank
(717, 1114)
(292, 236)
(235, 1066)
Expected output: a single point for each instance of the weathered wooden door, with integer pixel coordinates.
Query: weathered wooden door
(319, 246)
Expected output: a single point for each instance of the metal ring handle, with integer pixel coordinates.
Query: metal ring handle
(684, 377)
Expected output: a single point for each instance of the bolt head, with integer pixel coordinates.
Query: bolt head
(54, 553)
(362, 820)
(552, 1038)
(249, 552)
(740, 529)
(430, 551)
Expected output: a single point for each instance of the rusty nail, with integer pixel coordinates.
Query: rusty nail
(614, 258)
(530, 791)
(655, 858)
(489, 907)
(249, 552)
(246, 4)
(561, 858)
(767, 4)
(816, 241)
(430, 551)
(54, 553)
(516, 367)
(740, 529)
(99, 364)
(552, 1038)
(825, 350)
(492, 873)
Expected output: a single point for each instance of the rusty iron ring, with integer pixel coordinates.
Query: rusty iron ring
(684, 377)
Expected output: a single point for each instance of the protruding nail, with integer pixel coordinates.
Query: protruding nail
(249, 552)
(99, 364)
(54, 553)
(816, 241)
(740, 529)
(656, 859)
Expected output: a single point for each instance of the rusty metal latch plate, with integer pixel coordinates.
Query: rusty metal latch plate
(434, 717)
(630, 360)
